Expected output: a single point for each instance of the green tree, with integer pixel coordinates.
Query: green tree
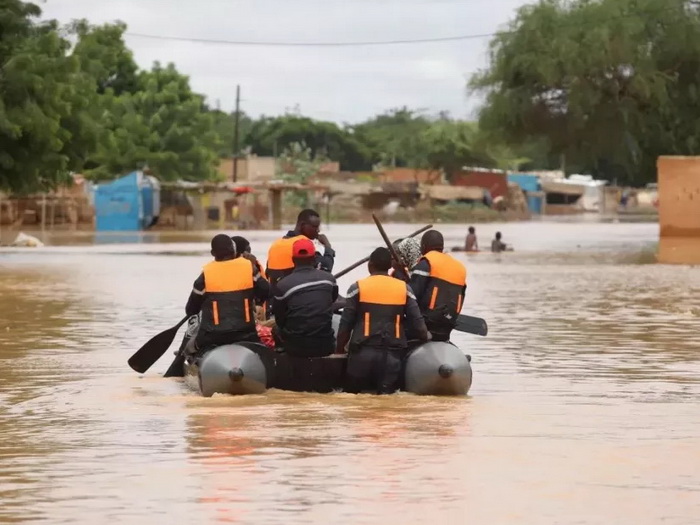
(43, 100)
(394, 138)
(104, 56)
(270, 135)
(163, 125)
(224, 124)
(449, 145)
(297, 163)
(607, 84)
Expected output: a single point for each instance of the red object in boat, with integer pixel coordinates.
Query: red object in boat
(265, 335)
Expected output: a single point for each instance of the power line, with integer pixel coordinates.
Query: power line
(454, 38)
(313, 44)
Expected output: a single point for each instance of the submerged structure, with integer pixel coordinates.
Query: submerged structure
(129, 203)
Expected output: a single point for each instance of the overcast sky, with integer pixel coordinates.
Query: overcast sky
(342, 84)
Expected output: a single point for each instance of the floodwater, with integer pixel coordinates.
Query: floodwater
(585, 405)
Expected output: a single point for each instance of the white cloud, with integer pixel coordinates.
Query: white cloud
(333, 83)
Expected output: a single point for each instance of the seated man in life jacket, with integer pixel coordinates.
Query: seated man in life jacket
(225, 293)
(439, 282)
(379, 308)
(279, 257)
(302, 303)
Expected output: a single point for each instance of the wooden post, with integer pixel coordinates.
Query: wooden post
(276, 208)
(43, 217)
(235, 134)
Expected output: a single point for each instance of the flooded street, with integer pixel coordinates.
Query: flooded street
(585, 406)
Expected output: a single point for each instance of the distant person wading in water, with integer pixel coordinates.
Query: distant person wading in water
(471, 244)
(497, 246)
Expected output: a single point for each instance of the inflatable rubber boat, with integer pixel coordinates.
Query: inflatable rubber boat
(433, 368)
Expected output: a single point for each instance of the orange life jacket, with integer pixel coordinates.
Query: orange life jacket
(380, 314)
(229, 304)
(446, 283)
(279, 258)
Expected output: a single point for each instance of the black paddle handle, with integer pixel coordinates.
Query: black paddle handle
(363, 261)
(388, 243)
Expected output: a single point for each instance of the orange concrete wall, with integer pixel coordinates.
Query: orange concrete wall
(679, 196)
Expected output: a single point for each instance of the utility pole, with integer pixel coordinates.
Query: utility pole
(235, 134)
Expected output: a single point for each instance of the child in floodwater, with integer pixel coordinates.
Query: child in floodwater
(498, 246)
(470, 243)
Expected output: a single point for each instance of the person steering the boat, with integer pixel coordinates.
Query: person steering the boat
(302, 303)
(439, 282)
(279, 257)
(377, 313)
(225, 293)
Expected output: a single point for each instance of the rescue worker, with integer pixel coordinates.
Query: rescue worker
(279, 257)
(225, 293)
(303, 305)
(439, 282)
(378, 310)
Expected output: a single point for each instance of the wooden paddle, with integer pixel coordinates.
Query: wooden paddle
(154, 349)
(364, 260)
(465, 323)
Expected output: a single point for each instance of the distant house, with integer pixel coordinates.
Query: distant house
(250, 169)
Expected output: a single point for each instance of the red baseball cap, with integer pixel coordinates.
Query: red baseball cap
(303, 249)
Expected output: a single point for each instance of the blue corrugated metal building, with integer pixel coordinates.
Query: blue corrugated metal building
(129, 203)
(529, 184)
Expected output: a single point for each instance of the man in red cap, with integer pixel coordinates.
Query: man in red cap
(302, 303)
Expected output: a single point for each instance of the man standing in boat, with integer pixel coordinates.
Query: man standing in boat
(303, 305)
(279, 257)
(225, 293)
(377, 314)
(439, 282)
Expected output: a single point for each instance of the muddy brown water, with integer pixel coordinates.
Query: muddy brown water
(585, 405)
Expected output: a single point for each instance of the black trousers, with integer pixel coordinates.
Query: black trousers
(373, 369)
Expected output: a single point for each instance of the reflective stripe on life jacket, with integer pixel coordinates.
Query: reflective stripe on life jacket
(228, 296)
(381, 305)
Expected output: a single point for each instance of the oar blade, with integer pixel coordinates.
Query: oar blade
(153, 350)
(472, 325)
(177, 368)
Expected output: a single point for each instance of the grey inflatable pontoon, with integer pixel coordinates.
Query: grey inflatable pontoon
(228, 369)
